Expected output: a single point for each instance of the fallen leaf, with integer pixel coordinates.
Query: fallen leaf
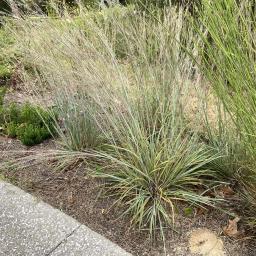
(201, 211)
(227, 191)
(231, 228)
(71, 199)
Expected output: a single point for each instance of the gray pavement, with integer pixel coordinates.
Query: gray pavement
(30, 227)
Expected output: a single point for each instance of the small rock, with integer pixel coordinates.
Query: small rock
(205, 242)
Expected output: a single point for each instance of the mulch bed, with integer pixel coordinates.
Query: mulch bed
(74, 192)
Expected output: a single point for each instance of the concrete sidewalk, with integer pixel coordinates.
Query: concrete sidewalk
(30, 227)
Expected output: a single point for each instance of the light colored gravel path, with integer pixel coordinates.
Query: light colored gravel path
(30, 227)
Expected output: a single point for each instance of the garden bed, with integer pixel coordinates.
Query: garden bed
(80, 196)
(156, 115)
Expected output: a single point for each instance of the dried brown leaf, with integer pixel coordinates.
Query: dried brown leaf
(231, 229)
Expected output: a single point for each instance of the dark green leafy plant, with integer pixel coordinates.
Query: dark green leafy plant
(30, 134)
(11, 129)
(31, 114)
(12, 113)
(30, 124)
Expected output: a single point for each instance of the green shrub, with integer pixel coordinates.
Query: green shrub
(8, 114)
(12, 113)
(11, 129)
(45, 134)
(30, 134)
(30, 115)
(30, 124)
(35, 126)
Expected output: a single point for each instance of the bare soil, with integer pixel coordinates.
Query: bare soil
(79, 195)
